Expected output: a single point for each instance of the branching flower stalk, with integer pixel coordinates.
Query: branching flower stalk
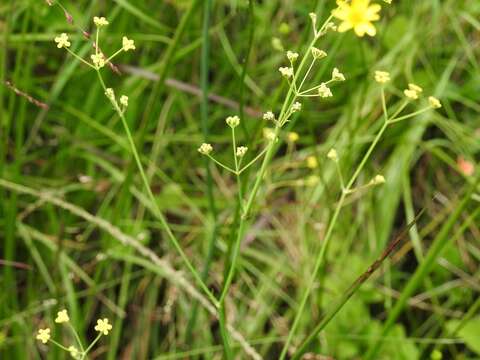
(103, 327)
(349, 189)
(98, 62)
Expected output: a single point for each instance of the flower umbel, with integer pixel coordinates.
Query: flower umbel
(127, 44)
(103, 326)
(324, 91)
(73, 351)
(233, 121)
(286, 71)
(382, 77)
(434, 102)
(205, 149)
(100, 21)
(43, 335)
(241, 151)
(62, 317)
(62, 41)
(358, 15)
(98, 60)
(124, 100)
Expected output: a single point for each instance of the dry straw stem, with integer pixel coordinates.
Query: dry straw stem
(127, 240)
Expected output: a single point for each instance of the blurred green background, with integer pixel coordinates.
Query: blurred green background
(76, 153)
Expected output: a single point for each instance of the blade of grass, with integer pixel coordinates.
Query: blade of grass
(439, 243)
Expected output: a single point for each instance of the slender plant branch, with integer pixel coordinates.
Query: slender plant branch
(154, 206)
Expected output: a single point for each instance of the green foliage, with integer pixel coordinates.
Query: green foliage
(80, 230)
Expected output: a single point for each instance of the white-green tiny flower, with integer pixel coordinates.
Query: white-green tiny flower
(103, 326)
(62, 317)
(269, 116)
(241, 151)
(286, 71)
(378, 179)
(109, 93)
(269, 134)
(205, 149)
(296, 107)
(382, 77)
(100, 21)
(324, 91)
(98, 60)
(73, 352)
(43, 335)
(292, 56)
(332, 155)
(318, 54)
(337, 75)
(434, 102)
(62, 41)
(414, 87)
(233, 121)
(124, 100)
(127, 44)
(411, 94)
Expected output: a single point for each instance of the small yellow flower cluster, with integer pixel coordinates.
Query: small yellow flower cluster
(412, 92)
(205, 149)
(44, 335)
(382, 77)
(286, 72)
(98, 59)
(103, 326)
(62, 41)
(357, 15)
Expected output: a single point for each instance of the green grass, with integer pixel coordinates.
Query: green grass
(87, 225)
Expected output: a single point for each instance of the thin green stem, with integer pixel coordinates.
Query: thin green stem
(80, 59)
(156, 210)
(340, 176)
(323, 249)
(58, 344)
(253, 161)
(401, 118)
(87, 350)
(220, 164)
(282, 119)
(114, 54)
(77, 337)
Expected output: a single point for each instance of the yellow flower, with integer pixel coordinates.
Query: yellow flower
(124, 100)
(128, 44)
(241, 151)
(286, 71)
(312, 162)
(382, 77)
(98, 60)
(292, 56)
(73, 351)
(62, 317)
(358, 15)
(411, 94)
(414, 87)
(100, 21)
(293, 136)
(324, 91)
(434, 102)
(333, 155)
(204, 149)
(103, 326)
(378, 179)
(62, 41)
(43, 335)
